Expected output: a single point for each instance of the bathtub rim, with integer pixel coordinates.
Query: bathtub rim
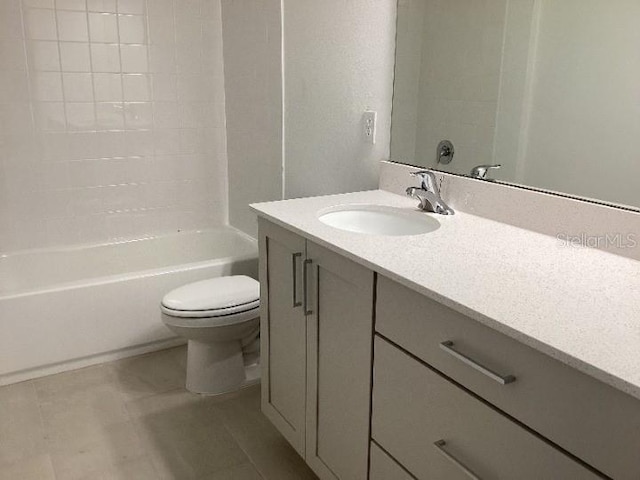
(145, 273)
(89, 245)
(108, 279)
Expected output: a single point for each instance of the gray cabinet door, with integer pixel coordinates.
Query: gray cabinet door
(283, 331)
(383, 467)
(339, 348)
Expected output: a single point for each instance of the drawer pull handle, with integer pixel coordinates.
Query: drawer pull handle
(440, 444)
(305, 296)
(294, 264)
(501, 379)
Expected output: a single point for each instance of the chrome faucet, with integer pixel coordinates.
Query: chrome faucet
(481, 171)
(429, 194)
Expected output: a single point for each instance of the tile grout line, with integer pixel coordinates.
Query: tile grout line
(45, 438)
(133, 421)
(91, 69)
(236, 440)
(123, 128)
(25, 48)
(64, 97)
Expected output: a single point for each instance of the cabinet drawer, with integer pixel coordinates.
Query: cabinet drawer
(593, 421)
(435, 429)
(383, 467)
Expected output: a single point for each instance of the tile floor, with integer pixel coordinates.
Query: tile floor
(133, 420)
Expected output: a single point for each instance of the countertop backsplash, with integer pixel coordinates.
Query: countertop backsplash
(574, 222)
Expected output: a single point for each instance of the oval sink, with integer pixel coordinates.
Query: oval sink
(379, 220)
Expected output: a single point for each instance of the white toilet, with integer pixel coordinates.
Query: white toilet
(220, 318)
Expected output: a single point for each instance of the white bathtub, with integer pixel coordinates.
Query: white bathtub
(67, 308)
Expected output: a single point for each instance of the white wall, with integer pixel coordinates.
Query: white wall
(338, 58)
(252, 59)
(585, 108)
(112, 120)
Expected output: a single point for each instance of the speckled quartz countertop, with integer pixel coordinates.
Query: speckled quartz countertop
(578, 305)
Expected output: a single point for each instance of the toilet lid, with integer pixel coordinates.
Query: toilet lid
(213, 297)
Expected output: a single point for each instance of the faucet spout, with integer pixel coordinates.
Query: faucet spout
(429, 194)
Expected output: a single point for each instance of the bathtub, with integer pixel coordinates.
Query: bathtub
(67, 308)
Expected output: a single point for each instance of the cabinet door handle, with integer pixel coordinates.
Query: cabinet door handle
(305, 275)
(294, 271)
(501, 379)
(440, 444)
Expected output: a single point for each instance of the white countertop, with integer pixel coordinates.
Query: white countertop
(578, 305)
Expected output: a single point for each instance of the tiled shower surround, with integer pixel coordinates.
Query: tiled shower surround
(112, 120)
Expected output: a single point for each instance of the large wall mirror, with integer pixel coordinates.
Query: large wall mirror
(549, 89)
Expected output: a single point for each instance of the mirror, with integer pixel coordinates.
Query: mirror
(549, 89)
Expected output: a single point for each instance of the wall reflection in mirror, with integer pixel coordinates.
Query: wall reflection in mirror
(549, 89)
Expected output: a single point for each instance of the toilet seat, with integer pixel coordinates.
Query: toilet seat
(218, 312)
(221, 298)
(178, 319)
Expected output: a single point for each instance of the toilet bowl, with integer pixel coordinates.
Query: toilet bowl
(220, 318)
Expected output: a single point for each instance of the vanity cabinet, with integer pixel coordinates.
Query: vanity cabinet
(591, 420)
(440, 397)
(316, 334)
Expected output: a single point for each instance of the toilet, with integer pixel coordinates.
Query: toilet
(220, 318)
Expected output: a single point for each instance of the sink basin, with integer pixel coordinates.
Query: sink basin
(379, 220)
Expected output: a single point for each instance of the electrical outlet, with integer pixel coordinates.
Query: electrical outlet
(369, 121)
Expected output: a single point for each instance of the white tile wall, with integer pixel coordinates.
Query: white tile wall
(112, 117)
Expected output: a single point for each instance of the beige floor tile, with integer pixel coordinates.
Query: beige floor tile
(69, 385)
(270, 453)
(84, 418)
(242, 472)
(139, 469)
(178, 399)
(104, 449)
(77, 406)
(133, 420)
(80, 416)
(33, 468)
(21, 431)
(184, 436)
(146, 375)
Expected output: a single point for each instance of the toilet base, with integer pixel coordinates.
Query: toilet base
(252, 374)
(217, 368)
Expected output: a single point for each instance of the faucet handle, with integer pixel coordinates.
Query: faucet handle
(481, 171)
(427, 179)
